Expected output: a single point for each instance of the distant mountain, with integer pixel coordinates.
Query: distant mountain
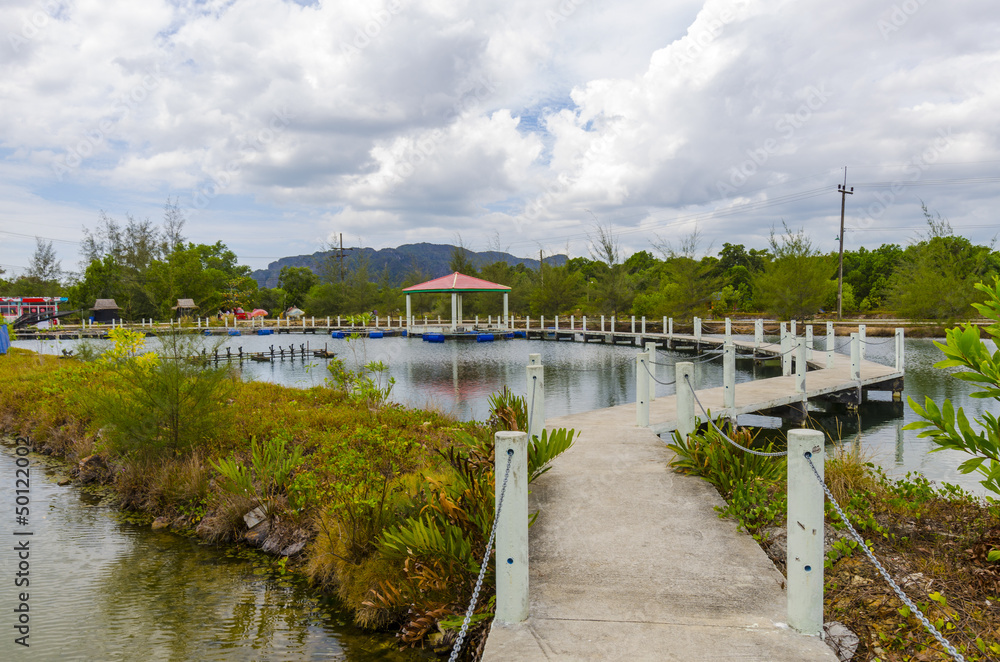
(432, 259)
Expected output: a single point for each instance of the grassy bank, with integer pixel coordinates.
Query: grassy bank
(388, 508)
(934, 540)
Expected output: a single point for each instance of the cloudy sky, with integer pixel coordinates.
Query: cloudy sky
(519, 124)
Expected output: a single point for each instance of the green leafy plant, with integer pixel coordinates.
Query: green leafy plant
(268, 476)
(951, 429)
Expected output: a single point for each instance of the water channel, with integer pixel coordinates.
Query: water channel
(104, 588)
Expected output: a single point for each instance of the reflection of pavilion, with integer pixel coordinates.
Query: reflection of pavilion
(456, 284)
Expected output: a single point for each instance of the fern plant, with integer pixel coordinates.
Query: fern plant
(271, 462)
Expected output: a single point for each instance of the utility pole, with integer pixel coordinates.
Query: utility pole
(842, 189)
(340, 255)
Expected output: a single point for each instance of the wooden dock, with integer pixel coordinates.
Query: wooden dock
(629, 561)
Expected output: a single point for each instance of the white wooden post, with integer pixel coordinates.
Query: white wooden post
(527, 324)
(584, 323)
(633, 323)
(697, 330)
(477, 320)
(541, 324)
(651, 351)
(534, 359)
(304, 322)
(225, 321)
(602, 323)
(800, 365)
(729, 376)
(899, 350)
(758, 333)
(557, 323)
(809, 341)
(862, 331)
(489, 320)
(327, 321)
(535, 397)
(786, 353)
(512, 527)
(663, 326)
(670, 328)
(643, 324)
(855, 357)
(572, 322)
(684, 374)
(641, 390)
(729, 330)
(804, 562)
(831, 341)
(314, 321)
(338, 321)
(199, 322)
(793, 328)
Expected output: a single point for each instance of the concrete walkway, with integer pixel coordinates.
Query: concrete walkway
(629, 561)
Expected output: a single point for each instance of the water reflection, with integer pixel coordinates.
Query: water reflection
(104, 589)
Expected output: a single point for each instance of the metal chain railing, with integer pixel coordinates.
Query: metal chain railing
(878, 342)
(724, 435)
(486, 562)
(882, 571)
(654, 376)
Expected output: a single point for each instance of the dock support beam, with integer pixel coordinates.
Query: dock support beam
(697, 331)
(862, 333)
(855, 357)
(685, 398)
(805, 532)
(512, 527)
(809, 342)
(729, 330)
(800, 366)
(899, 350)
(758, 333)
(642, 390)
(786, 352)
(651, 351)
(831, 340)
(535, 397)
(729, 377)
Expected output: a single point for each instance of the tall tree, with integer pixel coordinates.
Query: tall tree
(798, 281)
(612, 289)
(936, 276)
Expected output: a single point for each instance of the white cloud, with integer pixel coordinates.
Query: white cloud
(414, 119)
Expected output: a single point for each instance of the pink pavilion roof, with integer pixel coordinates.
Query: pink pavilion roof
(457, 282)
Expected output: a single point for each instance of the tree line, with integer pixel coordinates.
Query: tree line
(146, 267)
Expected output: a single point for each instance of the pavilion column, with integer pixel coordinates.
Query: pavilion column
(506, 323)
(409, 314)
(454, 309)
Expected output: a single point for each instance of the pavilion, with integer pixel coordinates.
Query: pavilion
(456, 284)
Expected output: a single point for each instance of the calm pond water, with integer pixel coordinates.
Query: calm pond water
(459, 377)
(105, 589)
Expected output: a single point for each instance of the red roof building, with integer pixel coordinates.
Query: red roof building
(456, 284)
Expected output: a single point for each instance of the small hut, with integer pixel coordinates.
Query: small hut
(184, 307)
(105, 311)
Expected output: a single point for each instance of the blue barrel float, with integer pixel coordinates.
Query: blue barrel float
(208, 332)
(235, 332)
(338, 334)
(265, 332)
(484, 337)
(375, 334)
(520, 334)
(433, 337)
